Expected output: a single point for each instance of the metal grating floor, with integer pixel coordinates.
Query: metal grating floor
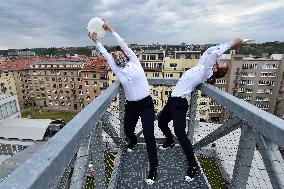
(171, 171)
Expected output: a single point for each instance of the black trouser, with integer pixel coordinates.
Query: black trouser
(145, 109)
(175, 110)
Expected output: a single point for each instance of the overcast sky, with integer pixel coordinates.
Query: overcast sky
(60, 23)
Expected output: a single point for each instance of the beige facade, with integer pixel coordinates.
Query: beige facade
(60, 85)
(7, 82)
(255, 80)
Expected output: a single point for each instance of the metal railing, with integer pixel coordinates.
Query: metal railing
(63, 160)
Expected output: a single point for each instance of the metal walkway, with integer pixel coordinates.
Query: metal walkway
(65, 159)
(171, 171)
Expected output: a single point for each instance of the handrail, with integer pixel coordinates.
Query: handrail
(42, 169)
(267, 124)
(48, 163)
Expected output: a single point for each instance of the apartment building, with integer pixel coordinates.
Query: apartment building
(54, 85)
(63, 84)
(7, 82)
(9, 107)
(174, 68)
(255, 80)
(94, 78)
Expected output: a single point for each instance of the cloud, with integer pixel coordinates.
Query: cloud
(59, 23)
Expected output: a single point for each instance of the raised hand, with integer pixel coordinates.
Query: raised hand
(107, 27)
(93, 36)
(247, 40)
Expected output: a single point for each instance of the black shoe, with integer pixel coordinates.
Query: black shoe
(191, 173)
(152, 176)
(130, 146)
(167, 145)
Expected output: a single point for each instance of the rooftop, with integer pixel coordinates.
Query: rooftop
(24, 128)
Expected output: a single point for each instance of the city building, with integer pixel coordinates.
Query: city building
(9, 107)
(253, 79)
(94, 78)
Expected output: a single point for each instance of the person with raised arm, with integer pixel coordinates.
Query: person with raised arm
(208, 69)
(126, 66)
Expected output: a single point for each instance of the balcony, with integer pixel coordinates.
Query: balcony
(255, 137)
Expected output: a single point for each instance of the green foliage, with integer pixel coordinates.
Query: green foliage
(48, 114)
(275, 47)
(212, 172)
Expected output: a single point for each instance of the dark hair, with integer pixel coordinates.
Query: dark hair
(221, 72)
(118, 48)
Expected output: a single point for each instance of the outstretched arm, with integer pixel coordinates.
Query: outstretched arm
(121, 42)
(211, 55)
(104, 52)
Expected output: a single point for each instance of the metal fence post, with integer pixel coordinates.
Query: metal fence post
(272, 159)
(97, 154)
(244, 158)
(121, 110)
(192, 115)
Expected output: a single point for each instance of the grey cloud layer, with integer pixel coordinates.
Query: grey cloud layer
(45, 23)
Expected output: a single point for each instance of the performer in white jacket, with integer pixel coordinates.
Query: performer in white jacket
(126, 66)
(208, 69)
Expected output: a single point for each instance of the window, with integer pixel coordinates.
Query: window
(269, 66)
(261, 82)
(248, 90)
(241, 90)
(221, 81)
(103, 76)
(169, 75)
(173, 65)
(156, 74)
(260, 91)
(222, 88)
(268, 91)
(242, 82)
(152, 57)
(249, 66)
(270, 83)
(247, 98)
(168, 93)
(258, 98)
(271, 74)
(250, 82)
(263, 74)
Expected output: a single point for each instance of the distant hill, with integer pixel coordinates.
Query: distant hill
(275, 47)
(257, 49)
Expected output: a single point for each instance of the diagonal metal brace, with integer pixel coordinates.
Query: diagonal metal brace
(272, 160)
(244, 158)
(109, 129)
(227, 127)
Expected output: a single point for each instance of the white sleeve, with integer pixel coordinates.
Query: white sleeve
(211, 55)
(220, 49)
(108, 57)
(124, 47)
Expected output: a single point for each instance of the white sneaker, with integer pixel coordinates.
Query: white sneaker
(149, 181)
(188, 178)
(167, 145)
(129, 150)
(152, 176)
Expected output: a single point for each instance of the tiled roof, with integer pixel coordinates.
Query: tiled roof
(95, 64)
(22, 63)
